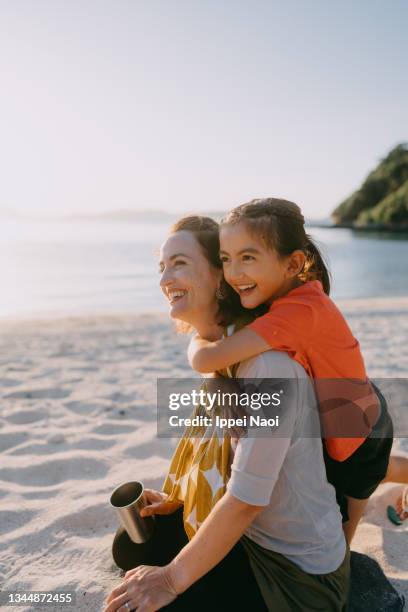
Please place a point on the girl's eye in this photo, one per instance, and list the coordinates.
(224, 259)
(248, 258)
(179, 262)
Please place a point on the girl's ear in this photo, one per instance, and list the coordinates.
(296, 263)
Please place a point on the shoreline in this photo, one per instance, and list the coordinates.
(379, 303)
(381, 228)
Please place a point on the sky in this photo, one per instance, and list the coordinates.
(194, 105)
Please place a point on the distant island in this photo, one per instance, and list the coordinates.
(120, 216)
(381, 203)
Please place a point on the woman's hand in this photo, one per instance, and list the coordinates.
(157, 503)
(145, 588)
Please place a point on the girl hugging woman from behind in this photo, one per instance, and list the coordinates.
(268, 259)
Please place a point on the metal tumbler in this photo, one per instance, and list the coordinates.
(128, 499)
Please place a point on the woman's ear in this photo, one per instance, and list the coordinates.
(219, 276)
(218, 281)
(296, 263)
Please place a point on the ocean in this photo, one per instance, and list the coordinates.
(59, 268)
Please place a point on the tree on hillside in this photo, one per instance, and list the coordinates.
(382, 190)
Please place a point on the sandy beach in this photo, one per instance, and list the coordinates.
(78, 417)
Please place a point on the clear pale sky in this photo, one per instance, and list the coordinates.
(190, 105)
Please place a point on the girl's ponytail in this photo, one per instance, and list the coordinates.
(315, 267)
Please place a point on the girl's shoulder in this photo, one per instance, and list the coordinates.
(307, 297)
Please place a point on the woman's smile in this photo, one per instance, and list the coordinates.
(187, 281)
(175, 295)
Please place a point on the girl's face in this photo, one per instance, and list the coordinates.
(256, 272)
(188, 280)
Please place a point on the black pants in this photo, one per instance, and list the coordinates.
(359, 475)
(230, 585)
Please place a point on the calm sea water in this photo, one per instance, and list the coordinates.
(54, 268)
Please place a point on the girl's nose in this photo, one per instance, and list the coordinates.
(234, 271)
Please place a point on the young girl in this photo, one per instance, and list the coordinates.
(269, 259)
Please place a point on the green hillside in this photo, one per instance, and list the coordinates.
(382, 199)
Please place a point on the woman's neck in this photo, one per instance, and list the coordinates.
(207, 327)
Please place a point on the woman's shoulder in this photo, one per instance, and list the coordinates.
(271, 364)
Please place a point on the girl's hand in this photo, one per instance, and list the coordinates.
(146, 588)
(157, 503)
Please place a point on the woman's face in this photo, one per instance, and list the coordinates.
(188, 280)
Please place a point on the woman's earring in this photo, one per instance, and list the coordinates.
(219, 294)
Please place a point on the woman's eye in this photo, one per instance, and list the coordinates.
(179, 262)
(248, 258)
(223, 259)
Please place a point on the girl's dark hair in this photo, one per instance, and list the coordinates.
(280, 224)
(206, 232)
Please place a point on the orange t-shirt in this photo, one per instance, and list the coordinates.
(307, 325)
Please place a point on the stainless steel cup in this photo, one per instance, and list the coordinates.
(128, 499)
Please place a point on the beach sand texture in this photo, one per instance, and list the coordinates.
(78, 417)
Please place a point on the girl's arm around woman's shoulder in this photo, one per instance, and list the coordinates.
(287, 326)
(205, 356)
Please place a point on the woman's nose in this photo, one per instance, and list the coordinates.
(166, 278)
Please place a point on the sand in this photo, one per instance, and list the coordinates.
(78, 401)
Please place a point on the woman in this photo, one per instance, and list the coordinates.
(274, 539)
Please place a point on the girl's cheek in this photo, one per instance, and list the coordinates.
(226, 273)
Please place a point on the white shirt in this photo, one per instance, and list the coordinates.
(287, 475)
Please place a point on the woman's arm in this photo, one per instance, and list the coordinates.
(152, 587)
(205, 356)
(222, 528)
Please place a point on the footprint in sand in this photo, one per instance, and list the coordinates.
(93, 444)
(10, 439)
(83, 407)
(48, 393)
(23, 417)
(11, 520)
(46, 373)
(9, 382)
(84, 369)
(112, 429)
(140, 413)
(39, 494)
(52, 448)
(148, 449)
(85, 521)
(17, 369)
(117, 396)
(55, 471)
(34, 449)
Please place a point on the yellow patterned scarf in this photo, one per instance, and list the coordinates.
(201, 464)
(199, 471)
